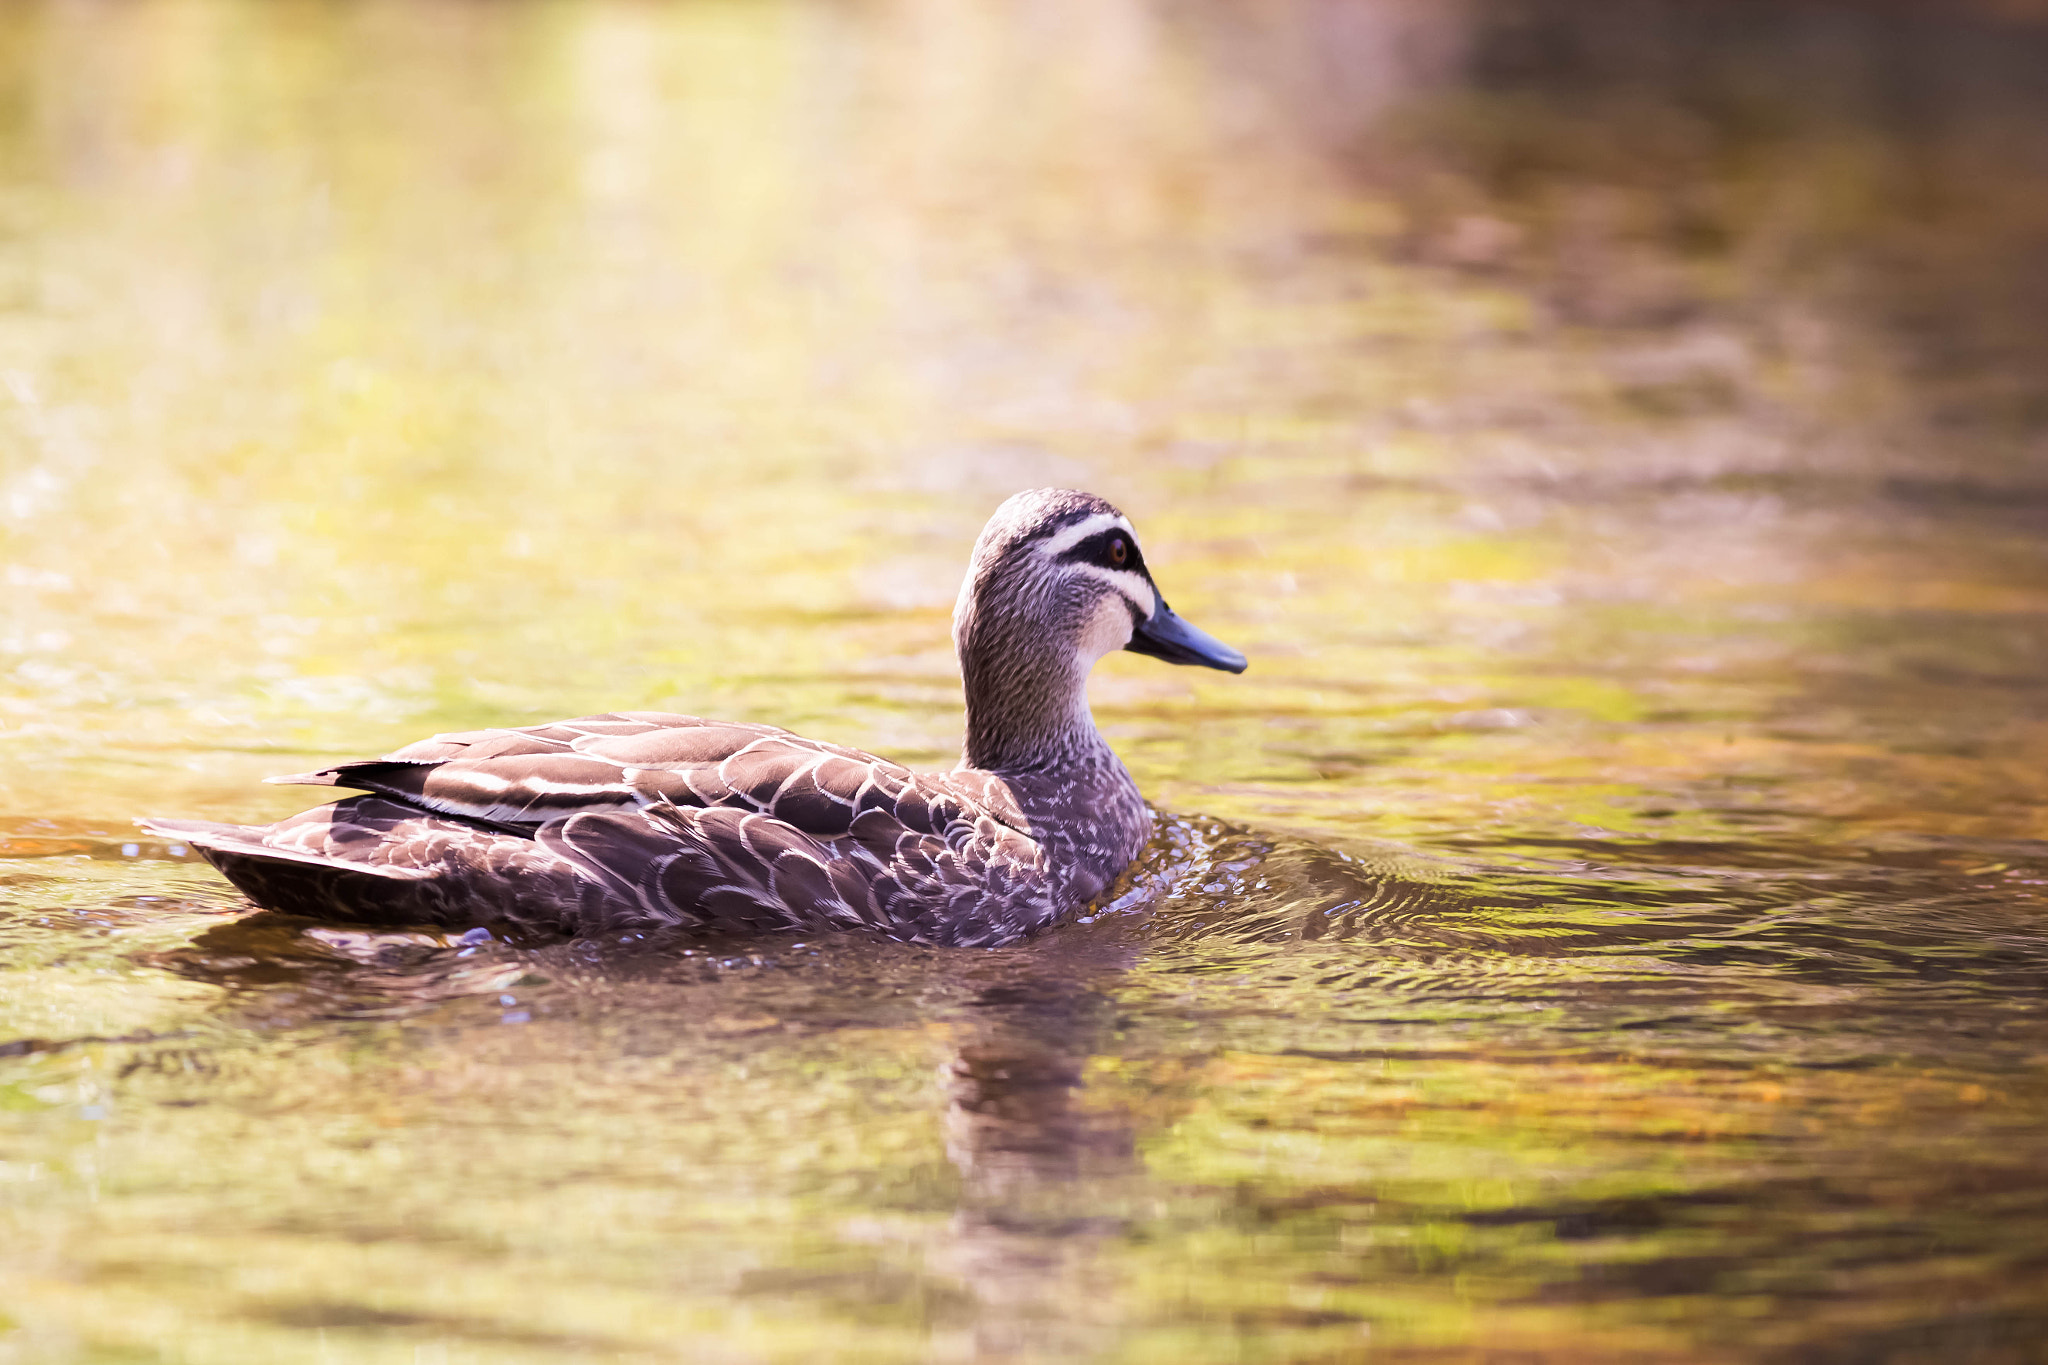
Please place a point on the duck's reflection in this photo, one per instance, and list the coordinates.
(1044, 1174)
(1012, 1123)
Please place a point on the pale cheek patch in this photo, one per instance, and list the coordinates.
(1109, 630)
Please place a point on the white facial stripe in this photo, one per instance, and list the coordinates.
(1080, 531)
(1132, 585)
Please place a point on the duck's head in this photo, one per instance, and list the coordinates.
(1057, 581)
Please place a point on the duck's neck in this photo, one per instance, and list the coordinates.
(1027, 709)
(1005, 737)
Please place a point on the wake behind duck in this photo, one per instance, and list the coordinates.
(642, 819)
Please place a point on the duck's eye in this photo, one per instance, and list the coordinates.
(1119, 552)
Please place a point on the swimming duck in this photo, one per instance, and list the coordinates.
(642, 819)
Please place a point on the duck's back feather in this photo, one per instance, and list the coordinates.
(525, 778)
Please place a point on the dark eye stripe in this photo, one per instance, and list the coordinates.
(1095, 550)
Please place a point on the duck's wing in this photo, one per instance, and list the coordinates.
(941, 872)
(522, 779)
(954, 876)
(683, 820)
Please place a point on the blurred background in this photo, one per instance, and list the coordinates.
(1617, 431)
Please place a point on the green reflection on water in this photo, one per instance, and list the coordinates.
(1625, 939)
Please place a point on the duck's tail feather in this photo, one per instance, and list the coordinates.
(354, 773)
(215, 841)
(313, 884)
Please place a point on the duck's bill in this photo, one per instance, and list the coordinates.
(1168, 637)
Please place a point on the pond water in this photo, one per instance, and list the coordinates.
(1609, 922)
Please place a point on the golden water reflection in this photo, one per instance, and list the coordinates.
(1605, 923)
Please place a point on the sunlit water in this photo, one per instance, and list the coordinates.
(1606, 923)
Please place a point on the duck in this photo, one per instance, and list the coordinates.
(637, 821)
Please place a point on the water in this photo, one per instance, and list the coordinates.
(1606, 923)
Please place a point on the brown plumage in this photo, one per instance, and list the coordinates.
(643, 819)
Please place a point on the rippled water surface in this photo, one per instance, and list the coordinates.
(1605, 925)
